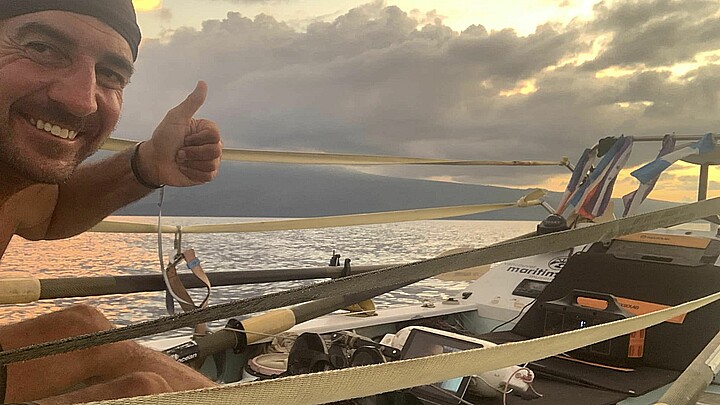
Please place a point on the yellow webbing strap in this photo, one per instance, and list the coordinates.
(315, 223)
(349, 220)
(338, 385)
(312, 158)
(130, 227)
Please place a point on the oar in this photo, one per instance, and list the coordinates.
(21, 290)
(26, 289)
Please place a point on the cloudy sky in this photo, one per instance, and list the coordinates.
(474, 79)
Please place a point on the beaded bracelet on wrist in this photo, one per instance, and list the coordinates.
(136, 170)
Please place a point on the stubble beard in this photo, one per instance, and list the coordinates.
(47, 170)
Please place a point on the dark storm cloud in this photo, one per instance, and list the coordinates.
(656, 33)
(375, 81)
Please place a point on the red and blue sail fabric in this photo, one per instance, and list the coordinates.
(582, 168)
(591, 197)
(648, 174)
(599, 186)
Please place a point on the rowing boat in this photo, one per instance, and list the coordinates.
(562, 315)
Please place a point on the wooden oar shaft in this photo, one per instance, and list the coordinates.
(93, 286)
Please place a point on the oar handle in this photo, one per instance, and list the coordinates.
(19, 290)
(237, 335)
(269, 323)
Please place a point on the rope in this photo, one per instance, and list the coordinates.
(391, 276)
(339, 385)
(311, 158)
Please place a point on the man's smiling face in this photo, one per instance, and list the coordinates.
(61, 82)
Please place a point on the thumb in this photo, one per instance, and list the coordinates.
(188, 107)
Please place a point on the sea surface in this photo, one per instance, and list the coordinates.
(103, 254)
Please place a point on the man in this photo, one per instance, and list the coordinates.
(63, 67)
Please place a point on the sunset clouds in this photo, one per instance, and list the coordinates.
(389, 80)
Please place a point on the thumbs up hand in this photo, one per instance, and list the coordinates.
(183, 151)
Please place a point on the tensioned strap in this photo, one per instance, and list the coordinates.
(338, 385)
(391, 276)
(317, 222)
(310, 158)
(130, 227)
(695, 379)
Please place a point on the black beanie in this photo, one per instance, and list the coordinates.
(118, 14)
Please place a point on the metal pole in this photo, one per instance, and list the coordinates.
(660, 138)
(703, 182)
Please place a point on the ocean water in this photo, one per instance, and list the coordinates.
(101, 254)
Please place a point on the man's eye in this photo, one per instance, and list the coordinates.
(45, 54)
(39, 47)
(111, 77)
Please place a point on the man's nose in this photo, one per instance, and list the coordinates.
(76, 90)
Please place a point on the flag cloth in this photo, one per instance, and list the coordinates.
(582, 167)
(591, 194)
(653, 169)
(590, 182)
(598, 189)
(632, 200)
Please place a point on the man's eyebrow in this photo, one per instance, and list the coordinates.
(46, 30)
(112, 58)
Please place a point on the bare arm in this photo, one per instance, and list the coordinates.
(95, 191)
(183, 151)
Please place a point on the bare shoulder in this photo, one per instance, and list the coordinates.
(31, 210)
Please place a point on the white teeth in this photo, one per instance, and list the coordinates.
(53, 129)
